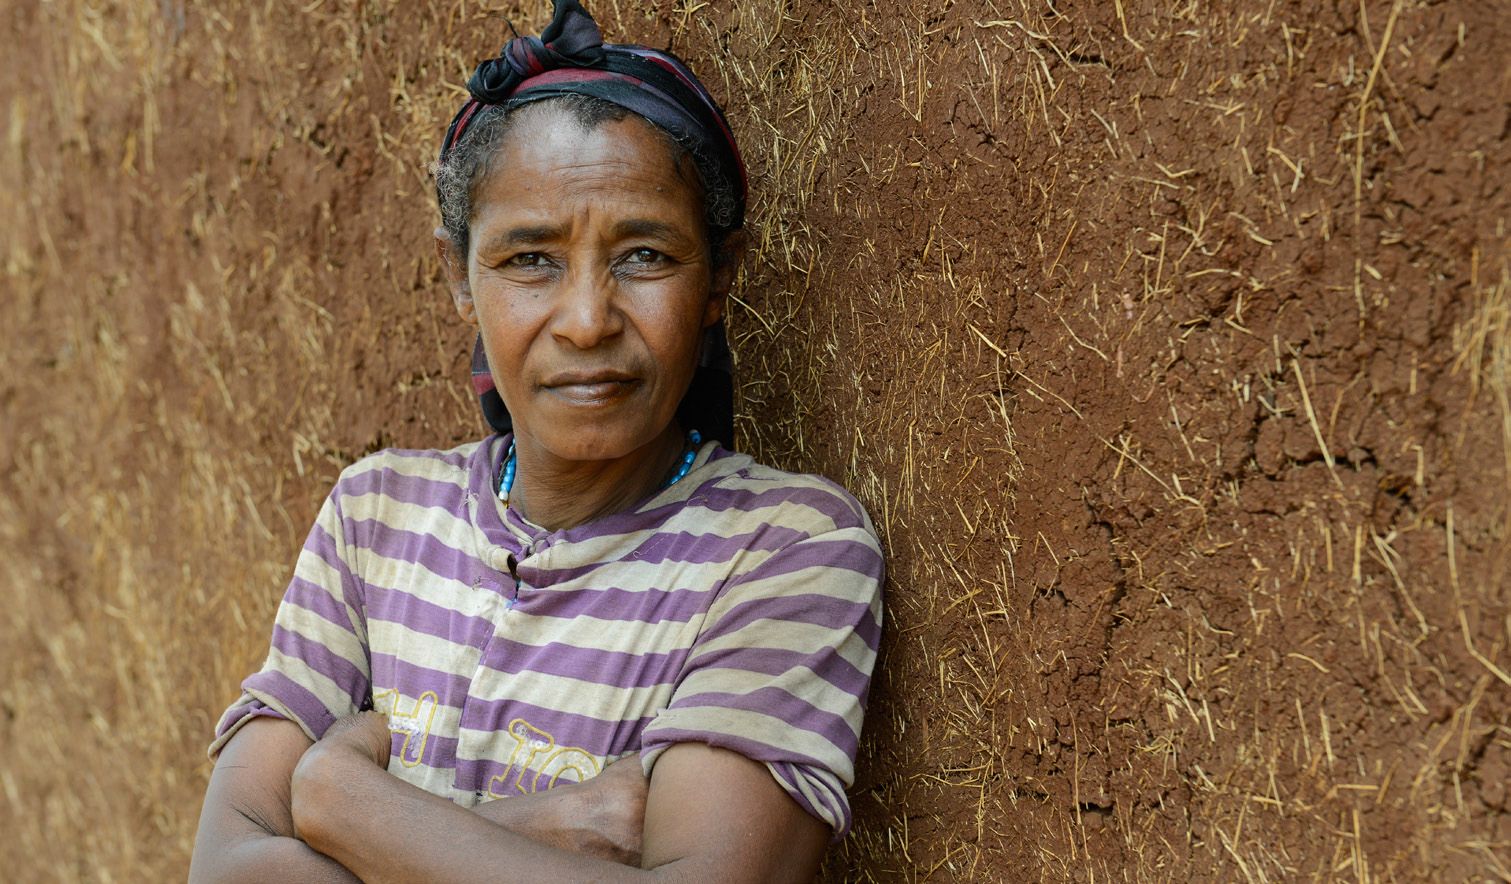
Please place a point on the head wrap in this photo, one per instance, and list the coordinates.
(570, 58)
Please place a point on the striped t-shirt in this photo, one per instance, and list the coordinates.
(740, 607)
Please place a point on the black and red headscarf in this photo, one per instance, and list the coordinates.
(570, 58)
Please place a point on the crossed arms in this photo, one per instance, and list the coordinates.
(282, 808)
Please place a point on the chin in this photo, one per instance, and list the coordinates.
(599, 439)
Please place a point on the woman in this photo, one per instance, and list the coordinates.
(596, 645)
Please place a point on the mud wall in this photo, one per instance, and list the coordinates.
(1168, 344)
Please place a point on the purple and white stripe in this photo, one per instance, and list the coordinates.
(740, 608)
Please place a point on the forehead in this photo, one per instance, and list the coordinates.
(550, 164)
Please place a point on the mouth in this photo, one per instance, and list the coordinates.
(590, 388)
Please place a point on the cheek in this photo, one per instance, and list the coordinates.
(676, 331)
(505, 305)
(503, 323)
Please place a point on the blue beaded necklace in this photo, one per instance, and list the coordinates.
(511, 463)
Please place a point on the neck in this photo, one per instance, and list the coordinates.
(555, 493)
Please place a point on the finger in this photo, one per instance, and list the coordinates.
(368, 730)
(376, 728)
(348, 727)
(627, 763)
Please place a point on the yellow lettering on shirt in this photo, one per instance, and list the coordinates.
(537, 763)
(412, 719)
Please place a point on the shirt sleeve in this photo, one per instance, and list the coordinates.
(317, 668)
(782, 667)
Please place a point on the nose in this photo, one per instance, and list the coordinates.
(585, 313)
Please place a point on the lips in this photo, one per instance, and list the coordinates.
(589, 388)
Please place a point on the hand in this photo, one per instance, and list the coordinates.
(602, 817)
(613, 811)
(365, 733)
(323, 772)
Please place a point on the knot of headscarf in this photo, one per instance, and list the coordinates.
(570, 58)
(571, 40)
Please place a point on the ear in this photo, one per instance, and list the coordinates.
(727, 257)
(454, 265)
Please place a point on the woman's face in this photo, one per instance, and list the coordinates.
(591, 281)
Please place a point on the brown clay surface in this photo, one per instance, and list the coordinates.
(1168, 344)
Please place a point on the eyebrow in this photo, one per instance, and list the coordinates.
(544, 233)
(634, 227)
(521, 236)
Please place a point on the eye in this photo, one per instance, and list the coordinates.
(645, 256)
(527, 259)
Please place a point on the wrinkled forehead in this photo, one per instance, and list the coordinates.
(569, 120)
(554, 170)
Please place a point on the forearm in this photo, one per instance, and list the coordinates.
(603, 817)
(537, 816)
(384, 829)
(245, 830)
(268, 858)
(708, 815)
